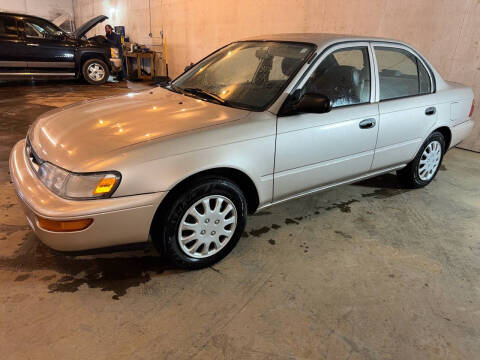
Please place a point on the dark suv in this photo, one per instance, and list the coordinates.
(34, 48)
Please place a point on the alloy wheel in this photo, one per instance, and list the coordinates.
(96, 72)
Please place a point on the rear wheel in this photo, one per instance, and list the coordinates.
(95, 71)
(202, 224)
(423, 168)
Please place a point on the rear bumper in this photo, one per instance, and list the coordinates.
(116, 221)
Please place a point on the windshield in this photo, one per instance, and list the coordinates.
(248, 74)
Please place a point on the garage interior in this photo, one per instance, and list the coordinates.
(363, 271)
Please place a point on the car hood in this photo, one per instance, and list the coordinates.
(81, 134)
(83, 29)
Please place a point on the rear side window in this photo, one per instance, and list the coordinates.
(401, 74)
(8, 27)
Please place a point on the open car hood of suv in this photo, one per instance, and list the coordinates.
(83, 29)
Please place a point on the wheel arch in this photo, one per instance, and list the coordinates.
(447, 135)
(240, 178)
(94, 55)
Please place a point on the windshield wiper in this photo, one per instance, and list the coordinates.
(204, 93)
(174, 88)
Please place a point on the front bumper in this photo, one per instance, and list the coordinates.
(116, 221)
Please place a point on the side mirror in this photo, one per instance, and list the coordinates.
(312, 103)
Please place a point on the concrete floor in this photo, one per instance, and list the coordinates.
(365, 271)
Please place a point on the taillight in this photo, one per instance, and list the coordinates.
(471, 109)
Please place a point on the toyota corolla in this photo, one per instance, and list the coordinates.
(258, 122)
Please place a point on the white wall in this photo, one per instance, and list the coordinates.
(48, 9)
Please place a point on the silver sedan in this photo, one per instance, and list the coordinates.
(258, 122)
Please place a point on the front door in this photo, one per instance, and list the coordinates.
(407, 105)
(315, 150)
(50, 50)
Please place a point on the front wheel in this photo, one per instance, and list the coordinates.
(95, 71)
(202, 224)
(423, 168)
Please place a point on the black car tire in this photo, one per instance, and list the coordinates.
(410, 175)
(90, 77)
(165, 229)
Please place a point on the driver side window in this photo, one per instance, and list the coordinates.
(343, 76)
(37, 29)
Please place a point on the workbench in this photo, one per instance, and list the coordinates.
(138, 63)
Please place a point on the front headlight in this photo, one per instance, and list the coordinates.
(115, 54)
(71, 185)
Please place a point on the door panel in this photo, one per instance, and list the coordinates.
(403, 126)
(317, 149)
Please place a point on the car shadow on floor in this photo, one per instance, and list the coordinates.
(386, 181)
(102, 269)
(386, 186)
(118, 269)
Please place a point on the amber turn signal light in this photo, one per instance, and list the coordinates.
(65, 225)
(472, 108)
(105, 185)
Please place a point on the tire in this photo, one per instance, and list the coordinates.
(95, 71)
(424, 167)
(180, 236)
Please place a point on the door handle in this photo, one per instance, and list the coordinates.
(430, 110)
(367, 123)
(32, 44)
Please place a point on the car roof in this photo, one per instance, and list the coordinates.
(22, 15)
(319, 39)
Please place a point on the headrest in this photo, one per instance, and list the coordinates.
(288, 66)
(345, 74)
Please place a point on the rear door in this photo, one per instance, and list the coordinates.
(407, 104)
(50, 51)
(12, 48)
